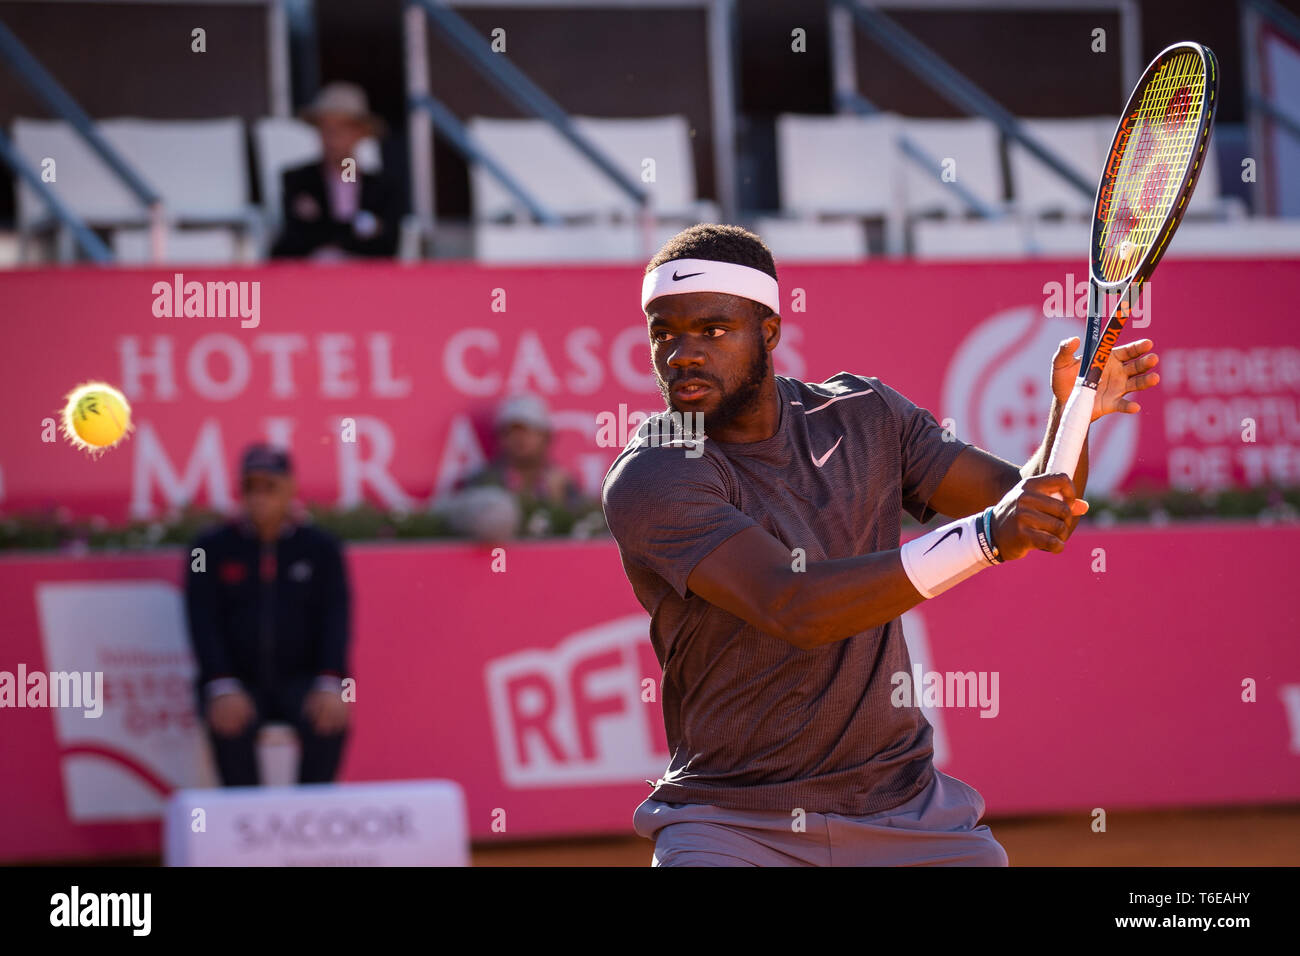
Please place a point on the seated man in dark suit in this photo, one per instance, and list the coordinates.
(269, 620)
(333, 210)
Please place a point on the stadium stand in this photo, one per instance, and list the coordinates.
(1081, 143)
(599, 222)
(562, 186)
(197, 167)
(821, 163)
(964, 150)
(545, 164)
(502, 243)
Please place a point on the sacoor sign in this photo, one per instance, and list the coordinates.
(404, 823)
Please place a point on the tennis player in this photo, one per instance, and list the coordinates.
(766, 551)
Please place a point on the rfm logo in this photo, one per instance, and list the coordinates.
(575, 714)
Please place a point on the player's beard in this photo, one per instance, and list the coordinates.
(735, 401)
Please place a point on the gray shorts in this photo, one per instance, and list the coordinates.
(937, 827)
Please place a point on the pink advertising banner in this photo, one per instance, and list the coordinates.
(382, 378)
(1153, 667)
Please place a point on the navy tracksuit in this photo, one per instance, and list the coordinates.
(274, 616)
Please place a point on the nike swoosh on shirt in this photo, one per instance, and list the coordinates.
(822, 460)
(957, 531)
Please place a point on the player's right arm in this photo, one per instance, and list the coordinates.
(755, 577)
(674, 516)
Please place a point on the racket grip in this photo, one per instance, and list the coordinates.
(1071, 432)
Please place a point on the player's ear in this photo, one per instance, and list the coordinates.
(771, 325)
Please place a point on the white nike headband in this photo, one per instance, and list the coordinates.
(707, 275)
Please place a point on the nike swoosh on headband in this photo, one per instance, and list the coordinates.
(710, 275)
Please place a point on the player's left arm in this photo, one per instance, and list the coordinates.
(978, 479)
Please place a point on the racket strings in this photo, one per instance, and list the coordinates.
(1160, 149)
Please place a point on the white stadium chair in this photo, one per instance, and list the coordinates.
(80, 179)
(808, 239)
(568, 184)
(972, 145)
(1195, 238)
(502, 243)
(1065, 239)
(852, 165)
(209, 246)
(1208, 202)
(540, 161)
(841, 166)
(1244, 238)
(1005, 238)
(667, 141)
(10, 251)
(197, 167)
(280, 143)
(1083, 143)
(1080, 143)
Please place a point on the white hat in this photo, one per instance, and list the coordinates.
(524, 409)
(345, 99)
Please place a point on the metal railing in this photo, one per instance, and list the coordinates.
(937, 73)
(90, 243)
(47, 89)
(915, 152)
(512, 83)
(456, 133)
(1259, 109)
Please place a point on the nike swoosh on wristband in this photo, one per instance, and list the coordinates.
(822, 460)
(957, 531)
(677, 278)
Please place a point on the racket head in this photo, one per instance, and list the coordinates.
(1155, 159)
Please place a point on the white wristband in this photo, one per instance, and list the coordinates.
(946, 556)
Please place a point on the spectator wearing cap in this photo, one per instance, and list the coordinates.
(522, 464)
(268, 616)
(491, 503)
(330, 215)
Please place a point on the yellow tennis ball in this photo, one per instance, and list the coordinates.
(96, 416)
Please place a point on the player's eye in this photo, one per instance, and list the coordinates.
(659, 335)
(715, 328)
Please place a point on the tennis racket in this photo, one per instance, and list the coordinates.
(1155, 159)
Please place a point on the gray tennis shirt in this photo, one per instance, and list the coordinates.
(752, 722)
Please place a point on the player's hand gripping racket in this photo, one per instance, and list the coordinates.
(1154, 162)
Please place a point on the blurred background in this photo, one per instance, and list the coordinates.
(403, 243)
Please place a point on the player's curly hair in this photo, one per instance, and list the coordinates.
(721, 243)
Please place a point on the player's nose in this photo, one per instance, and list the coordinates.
(687, 354)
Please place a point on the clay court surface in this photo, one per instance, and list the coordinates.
(1262, 836)
(1231, 836)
